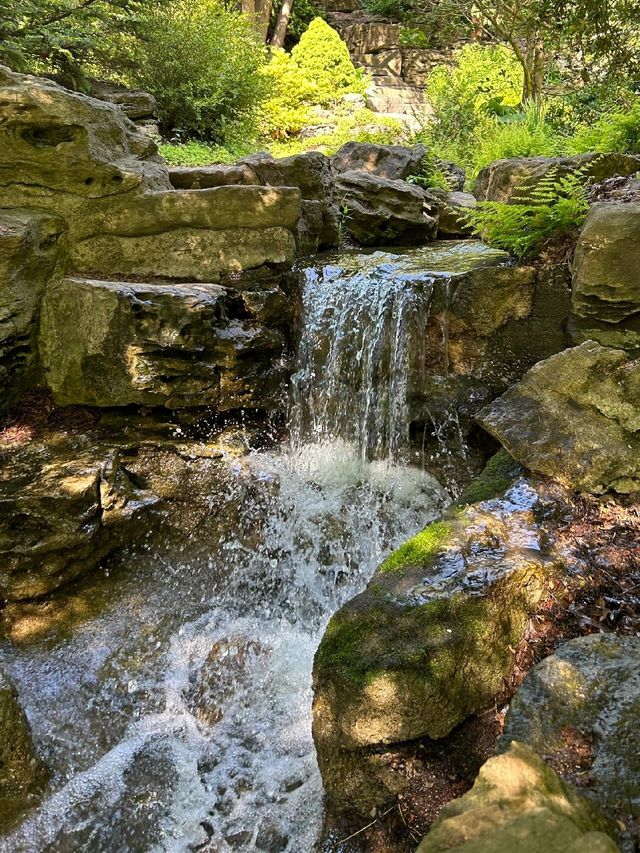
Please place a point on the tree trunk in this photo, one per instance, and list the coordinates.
(280, 31)
(534, 64)
(259, 11)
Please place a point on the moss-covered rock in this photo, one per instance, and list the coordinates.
(606, 294)
(518, 803)
(587, 696)
(22, 774)
(575, 417)
(431, 641)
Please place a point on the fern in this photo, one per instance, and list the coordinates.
(550, 209)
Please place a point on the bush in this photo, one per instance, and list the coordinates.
(286, 110)
(617, 131)
(486, 82)
(523, 134)
(323, 60)
(361, 126)
(202, 62)
(552, 209)
(195, 153)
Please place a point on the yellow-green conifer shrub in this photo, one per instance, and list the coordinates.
(323, 59)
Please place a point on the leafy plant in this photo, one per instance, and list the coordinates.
(194, 153)
(286, 110)
(430, 174)
(202, 62)
(618, 130)
(525, 133)
(359, 126)
(551, 209)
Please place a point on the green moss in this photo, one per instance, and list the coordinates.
(421, 550)
(498, 475)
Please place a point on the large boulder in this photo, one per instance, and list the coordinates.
(452, 210)
(606, 288)
(580, 709)
(502, 180)
(63, 508)
(380, 210)
(29, 250)
(110, 343)
(395, 162)
(430, 642)
(575, 417)
(218, 175)
(22, 774)
(134, 103)
(518, 803)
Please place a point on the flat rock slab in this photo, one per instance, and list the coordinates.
(110, 343)
(575, 417)
(586, 695)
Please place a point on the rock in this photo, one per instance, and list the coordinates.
(452, 207)
(408, 658)
(311, 173)
(503, 179)
(384, 63)
(22, 774)
(110, 343)
(134, 103)
(60, 150)
(518, 803)
(29, 249)
(395, 162)
(582, 704)
(397, 99)
(382, 211)
(606, 290)
(219, 175)
(455, 175)
(63, 508)
(371, 37)
(575, 417)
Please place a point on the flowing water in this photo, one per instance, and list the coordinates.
(176, 714)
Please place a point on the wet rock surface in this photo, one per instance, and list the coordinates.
(22, 774)
(518, 803)
(579, 709)
(606, 294)
(575, 417)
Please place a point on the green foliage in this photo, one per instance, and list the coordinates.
(618, 130)
(551, 209)
(65, 37)
(203, 64)
(195, 153)
(323, 59)
(302, 13)
(388, 8)
(287, 108)
(414, 37)
(361, 126)
(526, 133)
(430, 174)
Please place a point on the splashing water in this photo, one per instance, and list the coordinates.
(177, 715)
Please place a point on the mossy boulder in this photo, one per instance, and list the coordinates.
(575, 417)
(586, 697)
(518, 803)
(606, 292)
(431, 640)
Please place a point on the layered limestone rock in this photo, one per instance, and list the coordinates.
(29, 250)
(518, 803)
(431, 640)
(63, 508)
(503, 180)
(110, 343)
(584, 701)
(22, 774)
(381, 210)
(575, 417)
(606, 289)
(452, 209)
(395, 162)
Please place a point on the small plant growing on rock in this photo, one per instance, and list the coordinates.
(551, 210)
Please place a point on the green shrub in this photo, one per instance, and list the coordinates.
(430, 174)
(202, 62)
(287, 108)
(617, 131)
(552, 209)
(522, 134)
(414, 37)
(195, 153)
(361, 126)
(323, 59)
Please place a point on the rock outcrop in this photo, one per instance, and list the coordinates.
(22, 774)
(518, 803)
(380, 210)
(431, 640)
(395, 162)
(579, 708)
(606, 291)
(575, 417)
(504, 180)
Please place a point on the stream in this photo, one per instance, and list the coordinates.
(177, 714)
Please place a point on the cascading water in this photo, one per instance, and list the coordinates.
(178, 715)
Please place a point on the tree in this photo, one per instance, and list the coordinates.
(64, 36)
(280, 29)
